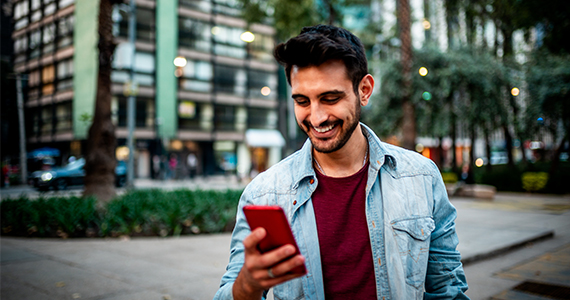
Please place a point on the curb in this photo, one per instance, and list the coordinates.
(517, 245)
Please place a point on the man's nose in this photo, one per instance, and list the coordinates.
(318, 114)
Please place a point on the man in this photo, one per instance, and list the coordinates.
(371, 220)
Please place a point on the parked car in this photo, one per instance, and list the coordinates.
(72, 174)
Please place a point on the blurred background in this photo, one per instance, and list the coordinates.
(481, 87)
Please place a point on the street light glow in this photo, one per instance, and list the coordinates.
(265, 91)
(423, 71)
(479, 162)
(247, 37)
(515, 91)
(180, 61)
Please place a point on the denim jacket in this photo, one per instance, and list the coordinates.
(410, 223)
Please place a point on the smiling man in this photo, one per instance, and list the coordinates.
(372, 221)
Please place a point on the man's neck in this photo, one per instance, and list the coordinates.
(346, 161)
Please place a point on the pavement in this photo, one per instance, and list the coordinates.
(190, 267)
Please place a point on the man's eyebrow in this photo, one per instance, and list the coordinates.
(327, 93)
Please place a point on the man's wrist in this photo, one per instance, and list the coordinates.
(242, 290)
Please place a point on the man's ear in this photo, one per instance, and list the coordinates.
(365, 89)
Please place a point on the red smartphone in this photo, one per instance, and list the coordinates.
(279, 233)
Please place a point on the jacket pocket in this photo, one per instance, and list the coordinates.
(290, 290)
(413, 238)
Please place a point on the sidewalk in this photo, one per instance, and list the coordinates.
(190, 267)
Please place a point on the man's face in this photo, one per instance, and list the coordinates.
(326, 107)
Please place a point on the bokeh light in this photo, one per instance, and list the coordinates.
(426, 96)
(180, 61)
(423, 71)
(515, 91)
(426, 24)
(265, 91)
(420, 148)
(247, 37)
(479, 162)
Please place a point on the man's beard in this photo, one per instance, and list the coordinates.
(344, 134)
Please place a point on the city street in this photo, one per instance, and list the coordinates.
(514, 239)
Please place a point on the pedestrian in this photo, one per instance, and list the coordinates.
(372, 220)
(172, 165)
(192, 163)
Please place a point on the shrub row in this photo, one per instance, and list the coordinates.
(137, 213)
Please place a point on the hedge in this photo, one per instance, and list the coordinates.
(151, 212)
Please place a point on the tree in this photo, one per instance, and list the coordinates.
(101, 142)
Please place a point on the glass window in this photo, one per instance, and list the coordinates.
(197, 76)
(261, 118)
(65, 27)
(48, 38)
(34, 78)
(262, 47)
(64, 3)
(189, 115)
(36, 4)
(228, 7)
(21, 10)
(35, 40)
(49, 9)
(224, 117)
(194, 34)
(46, 119)
(63, 112)
(262, 84)
(201, 5)
(228, 41)
(120, 22)
(142, 111)
(145, 25)
(144, 62)
(48, 74)
(65, 75)
(230, 80)
(21, 44)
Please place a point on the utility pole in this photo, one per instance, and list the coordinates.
(23, 150)
(131, 96)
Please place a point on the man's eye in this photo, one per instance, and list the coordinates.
(331, 100)
(302, 102)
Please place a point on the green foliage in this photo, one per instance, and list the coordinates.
(449, 177)
(137, 213)
(534, 181)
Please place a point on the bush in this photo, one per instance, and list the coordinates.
(449, 177)
(534, 181)
(137, 213)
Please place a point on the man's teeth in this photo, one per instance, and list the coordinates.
(323, 129)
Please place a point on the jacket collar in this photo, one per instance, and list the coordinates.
(379, 155)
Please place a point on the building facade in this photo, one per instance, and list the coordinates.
(202, 87)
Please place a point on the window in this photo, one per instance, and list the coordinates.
(261, 118)
(145, 25)
(262, 84)
(194, 34)
(65, 27)
(197, 76)
(35, 40)
(228, 7)
(48, 75)
(228, 42)
(20, 14)
(143, 112)
(65, 75)
(201, 5)
(63, 119)
(224, 117)
(48, 38)
(230, 80)
(21, 44)
(189, 115)
(262, 47)
(34, 78)
(46, 120)
(64, 3)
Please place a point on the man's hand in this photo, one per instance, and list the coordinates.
(254, 276)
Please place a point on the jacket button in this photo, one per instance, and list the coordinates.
(295, 202)
(311, 181)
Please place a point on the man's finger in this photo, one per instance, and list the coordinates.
(251, 241)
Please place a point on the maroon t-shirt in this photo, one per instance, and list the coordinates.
(346, 254)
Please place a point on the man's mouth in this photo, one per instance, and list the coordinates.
(323, 129)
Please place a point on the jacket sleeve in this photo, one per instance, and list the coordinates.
(445, 277)
(241, 230)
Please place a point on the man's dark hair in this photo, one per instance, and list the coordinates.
(318, 44)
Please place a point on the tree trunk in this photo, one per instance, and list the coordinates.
(408, 109)
(556, 159)
(509, 145)
(488, 150)
(101, 143)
